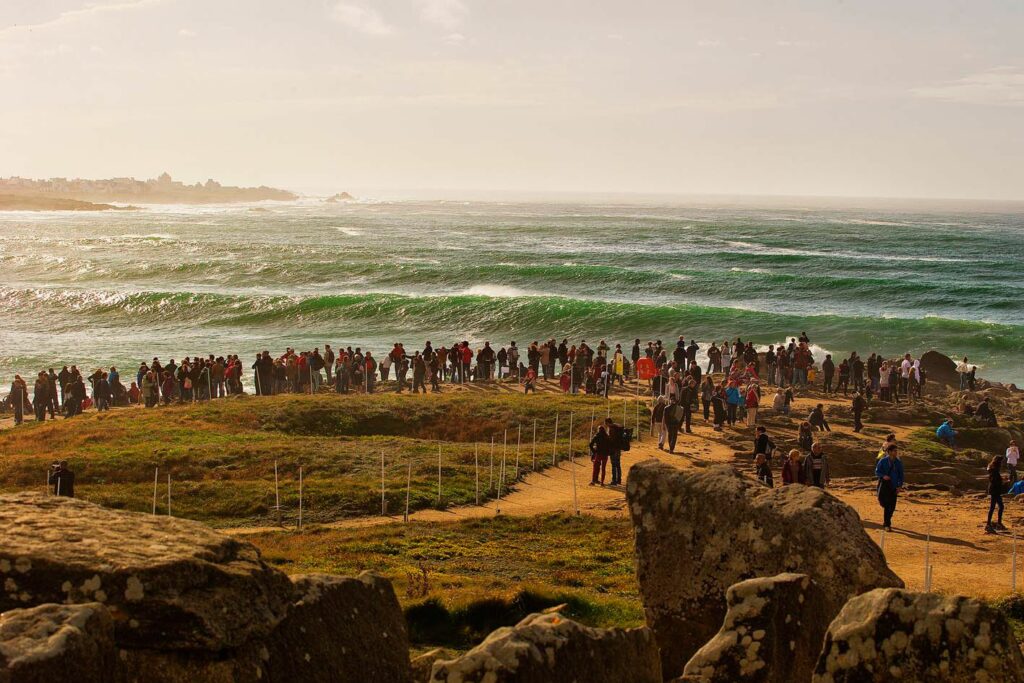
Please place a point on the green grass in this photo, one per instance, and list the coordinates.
(221, 455)
(459, 581)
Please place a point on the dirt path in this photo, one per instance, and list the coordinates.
(964, 559)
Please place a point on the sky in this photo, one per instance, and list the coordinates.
(874, 98)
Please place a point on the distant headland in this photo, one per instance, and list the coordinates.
(55, 194)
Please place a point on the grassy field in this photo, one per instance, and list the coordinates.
(221, 455)
(459, 581)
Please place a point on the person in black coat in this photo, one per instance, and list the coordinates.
(828, 369)
(62, 480)
(859, 404)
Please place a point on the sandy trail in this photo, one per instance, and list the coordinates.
(964, 558)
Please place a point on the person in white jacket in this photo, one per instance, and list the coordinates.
(965, 373)
(1012, 456)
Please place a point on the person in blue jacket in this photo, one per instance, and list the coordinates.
(946, 434)
(889, 471)
(733, 399)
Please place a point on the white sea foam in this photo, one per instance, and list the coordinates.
(497, 291)
(351, 232)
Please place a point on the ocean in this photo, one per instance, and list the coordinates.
(104, 288)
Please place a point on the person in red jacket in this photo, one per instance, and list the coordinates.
(753, 399)
(793, 469)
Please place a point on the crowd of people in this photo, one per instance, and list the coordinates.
(729, 390)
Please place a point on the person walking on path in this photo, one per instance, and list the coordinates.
(889, 472)
(674, 414)
(995, 494)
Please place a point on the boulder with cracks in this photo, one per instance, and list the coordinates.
(891, 634)
(772, 633)
(548, 647)
(700, 531)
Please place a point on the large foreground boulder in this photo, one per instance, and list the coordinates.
(548, 647)
(58, 643)
(772, 633)
(181, 603)
(341, 630)
(699, 531)
(891, 634)
(169, 583)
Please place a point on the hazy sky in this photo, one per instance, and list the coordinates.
(862, 97)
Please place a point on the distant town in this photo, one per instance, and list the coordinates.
(161, 190)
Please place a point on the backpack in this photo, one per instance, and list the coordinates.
(625, 438)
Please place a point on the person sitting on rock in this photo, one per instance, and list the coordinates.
(984, 415)
(817, 419)
(946, 434)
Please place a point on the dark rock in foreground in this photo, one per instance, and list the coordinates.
(170, 583)
(176, 602)
(58, 643)
(548, 647)
(700, 531)
(771, 634)
(891, 634)
(340, 630)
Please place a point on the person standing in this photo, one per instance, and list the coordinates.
(995, 493)
(673, 418)
(615, 436)
(18, 396)
(816, 467)
(41, 396)
(859, 404)
(828, 368)
(763, 445)
(62, 479)
(753, 400)
(733, 398)
(599, 451)
(793, 469)
(964, 370)
(658, 421)
(1012, 456)
(889, 472)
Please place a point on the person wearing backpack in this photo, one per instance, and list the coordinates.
(763, 445)
(615, 447)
